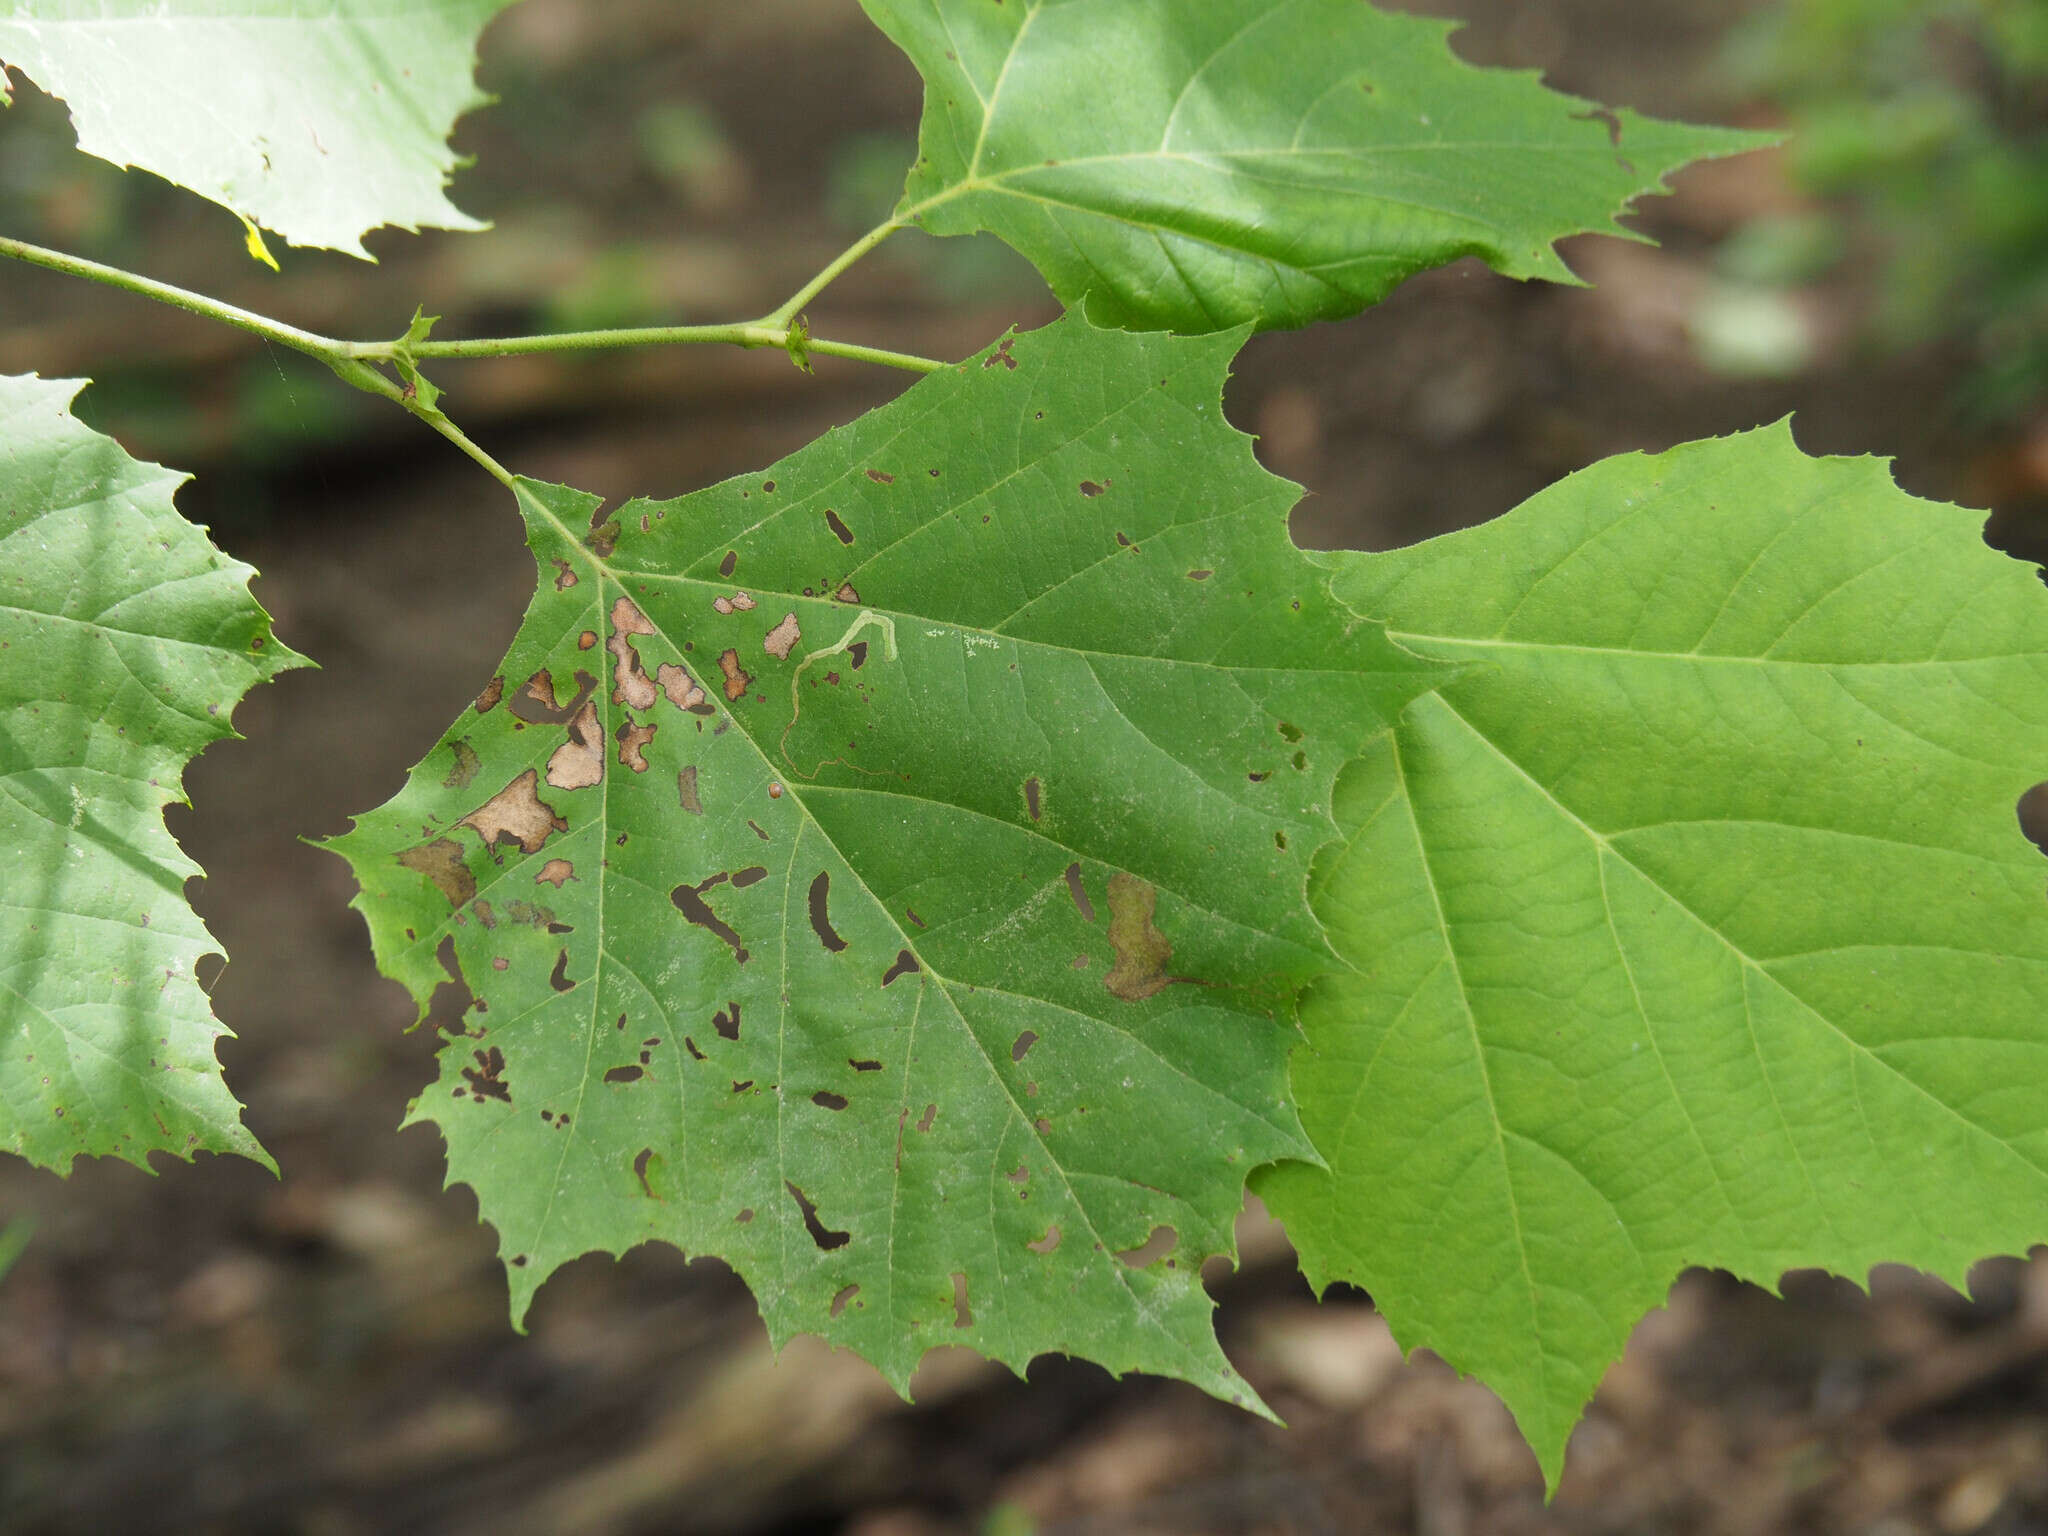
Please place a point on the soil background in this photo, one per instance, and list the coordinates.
(210, 1349)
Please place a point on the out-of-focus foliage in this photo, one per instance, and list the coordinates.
(1929, 119)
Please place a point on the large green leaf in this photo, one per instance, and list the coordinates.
(126, 639)
(319, 119)
(888, 871)
(1197, 164)
(1695, 926)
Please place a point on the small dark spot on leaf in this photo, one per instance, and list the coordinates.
(768, 486)
(1124, 539)
(863, 1066)
(881, 477)
(691, 1046)
(913, 917)
(821, 922)
(626, 1074)
(905, 965)
(1031, 806)
(838, 526)
(842, 1296)
(1002, 355)
(1288, 732)
(1300, 761)
(1260, 776)
(646, 1166)
(822, 1235)
(744, 1216)
(1079, 892)
(500, 963)
(1090, 488)
(774, 791)
(1200, 575)
(1280, 841)
(519, 1261)
(1021, 1046)
(742, 1085)
(730, 563)
(826, 1099)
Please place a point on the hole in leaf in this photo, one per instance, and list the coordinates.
(859, 652)
(555, 872)
(559, 977)
(863, 1066)
(1156, 1247)
(1080, 894)
(838, 526)
(730, 563)
(727, 1022)
(627, 1074)
(753, 874)
(905, 964)
(691, 1046)
(1021, 1046)
(825, 1099)
(821, 922)
(689, 900)
(821, 1234)
(2034, 815)
(487, 1077)
(647, 1166)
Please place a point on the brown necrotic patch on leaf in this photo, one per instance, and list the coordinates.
(536, 703)
(838, 526)
(963, 1314)
(586, 640)
(487, 1077)
(441, 862)
(1141, 949)
(842, 1296)
(1079, 892)
(1021, 1046)
(686, 791)
(931, 1113)
(822, 1235)
(689, 900)
(1090, 488)
(1031, 797)
(846, 593)
(905, 964)
(681, 689)
(631, 685)
(1002, 355)
(565, 578)
(647, 1167)
(782, 639)
(555, 872)
(737, 679)
(516, 814)
(881, 477)
(859, 1065)
(484, 914)
(625, 1074)
(633, 741)
(821, 920)
(1047, 1243)
(578, 763)
(463, 774)
(487, 701)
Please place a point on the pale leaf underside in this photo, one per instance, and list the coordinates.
(1693, 926)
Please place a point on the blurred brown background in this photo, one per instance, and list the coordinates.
(210, 1349)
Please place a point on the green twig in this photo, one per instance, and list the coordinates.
(791, 307)
(758, 334)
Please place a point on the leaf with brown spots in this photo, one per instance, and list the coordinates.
(1033, 721)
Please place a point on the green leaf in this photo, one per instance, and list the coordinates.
(126, 639)
(317, 120)
(1694, 927)
(887, 871)
(1200, 164)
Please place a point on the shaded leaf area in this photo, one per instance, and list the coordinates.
(887, 871)
(320, 119)
(126, 640)
(1200, 164)
(1694, 927)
